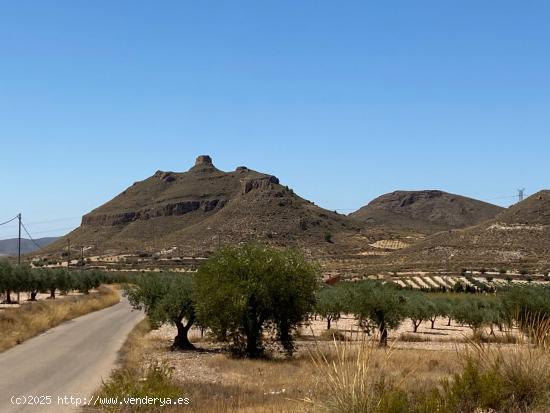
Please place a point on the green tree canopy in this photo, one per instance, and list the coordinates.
(417, 308)
(331, 303)
(8, 281)
(381, 304)
(166, 298)
(247, 289)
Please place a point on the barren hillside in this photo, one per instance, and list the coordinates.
(425, 212)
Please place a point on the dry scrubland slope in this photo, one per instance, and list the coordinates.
(190, 210)
(426, 211)
(517, 236)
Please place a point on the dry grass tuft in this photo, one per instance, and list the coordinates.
(358, 376)
(537, 328)
(31, 319)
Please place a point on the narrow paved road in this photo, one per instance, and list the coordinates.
(68, 360)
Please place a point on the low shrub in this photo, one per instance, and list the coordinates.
(333, 334)
(413, 338)
(155, 381)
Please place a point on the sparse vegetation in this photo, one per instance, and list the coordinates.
(20, 324)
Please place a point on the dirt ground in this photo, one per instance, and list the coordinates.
(39, 297)
(203, 366)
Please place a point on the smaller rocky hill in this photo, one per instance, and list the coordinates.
(518, 237)
(425, 212)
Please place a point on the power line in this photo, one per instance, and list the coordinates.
(30, 237)
(53, 220)
(13, 219)
(500, 197)
(39, 232)
(52, 230)
(44, 222)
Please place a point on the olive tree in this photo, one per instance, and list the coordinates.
(246, 290)
(476, 312)
(417, 308)
(330, 303)
(381, 304)
(28, 280)
(438, 306)
(50, 281)
(8, 283)
(529, 307)
(84, 281)
(166, 298)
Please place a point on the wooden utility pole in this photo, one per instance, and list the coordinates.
(19, 241)
(19, 251)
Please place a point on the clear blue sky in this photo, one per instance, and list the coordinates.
(343, 101)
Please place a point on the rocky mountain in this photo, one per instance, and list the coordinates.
(9, 247)
(517, 237)
(195, 211)
(425, 212)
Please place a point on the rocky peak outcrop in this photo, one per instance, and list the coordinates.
(203, 160)
(265, 182)
(203, 163)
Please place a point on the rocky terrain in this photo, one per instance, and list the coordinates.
(425, 212)
(192, 213)
(518, 237)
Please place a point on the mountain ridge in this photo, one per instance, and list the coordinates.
(9, 247)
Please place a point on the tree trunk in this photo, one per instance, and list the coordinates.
(328, 323)
(383, 329)
(383, 335)
(415, 326)
(285, 337)
(449, 322)
(8, 296)
(181, 341)
(433, 322)
(33, 295)
(52, 293)
(253, 330)
(253, 334)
